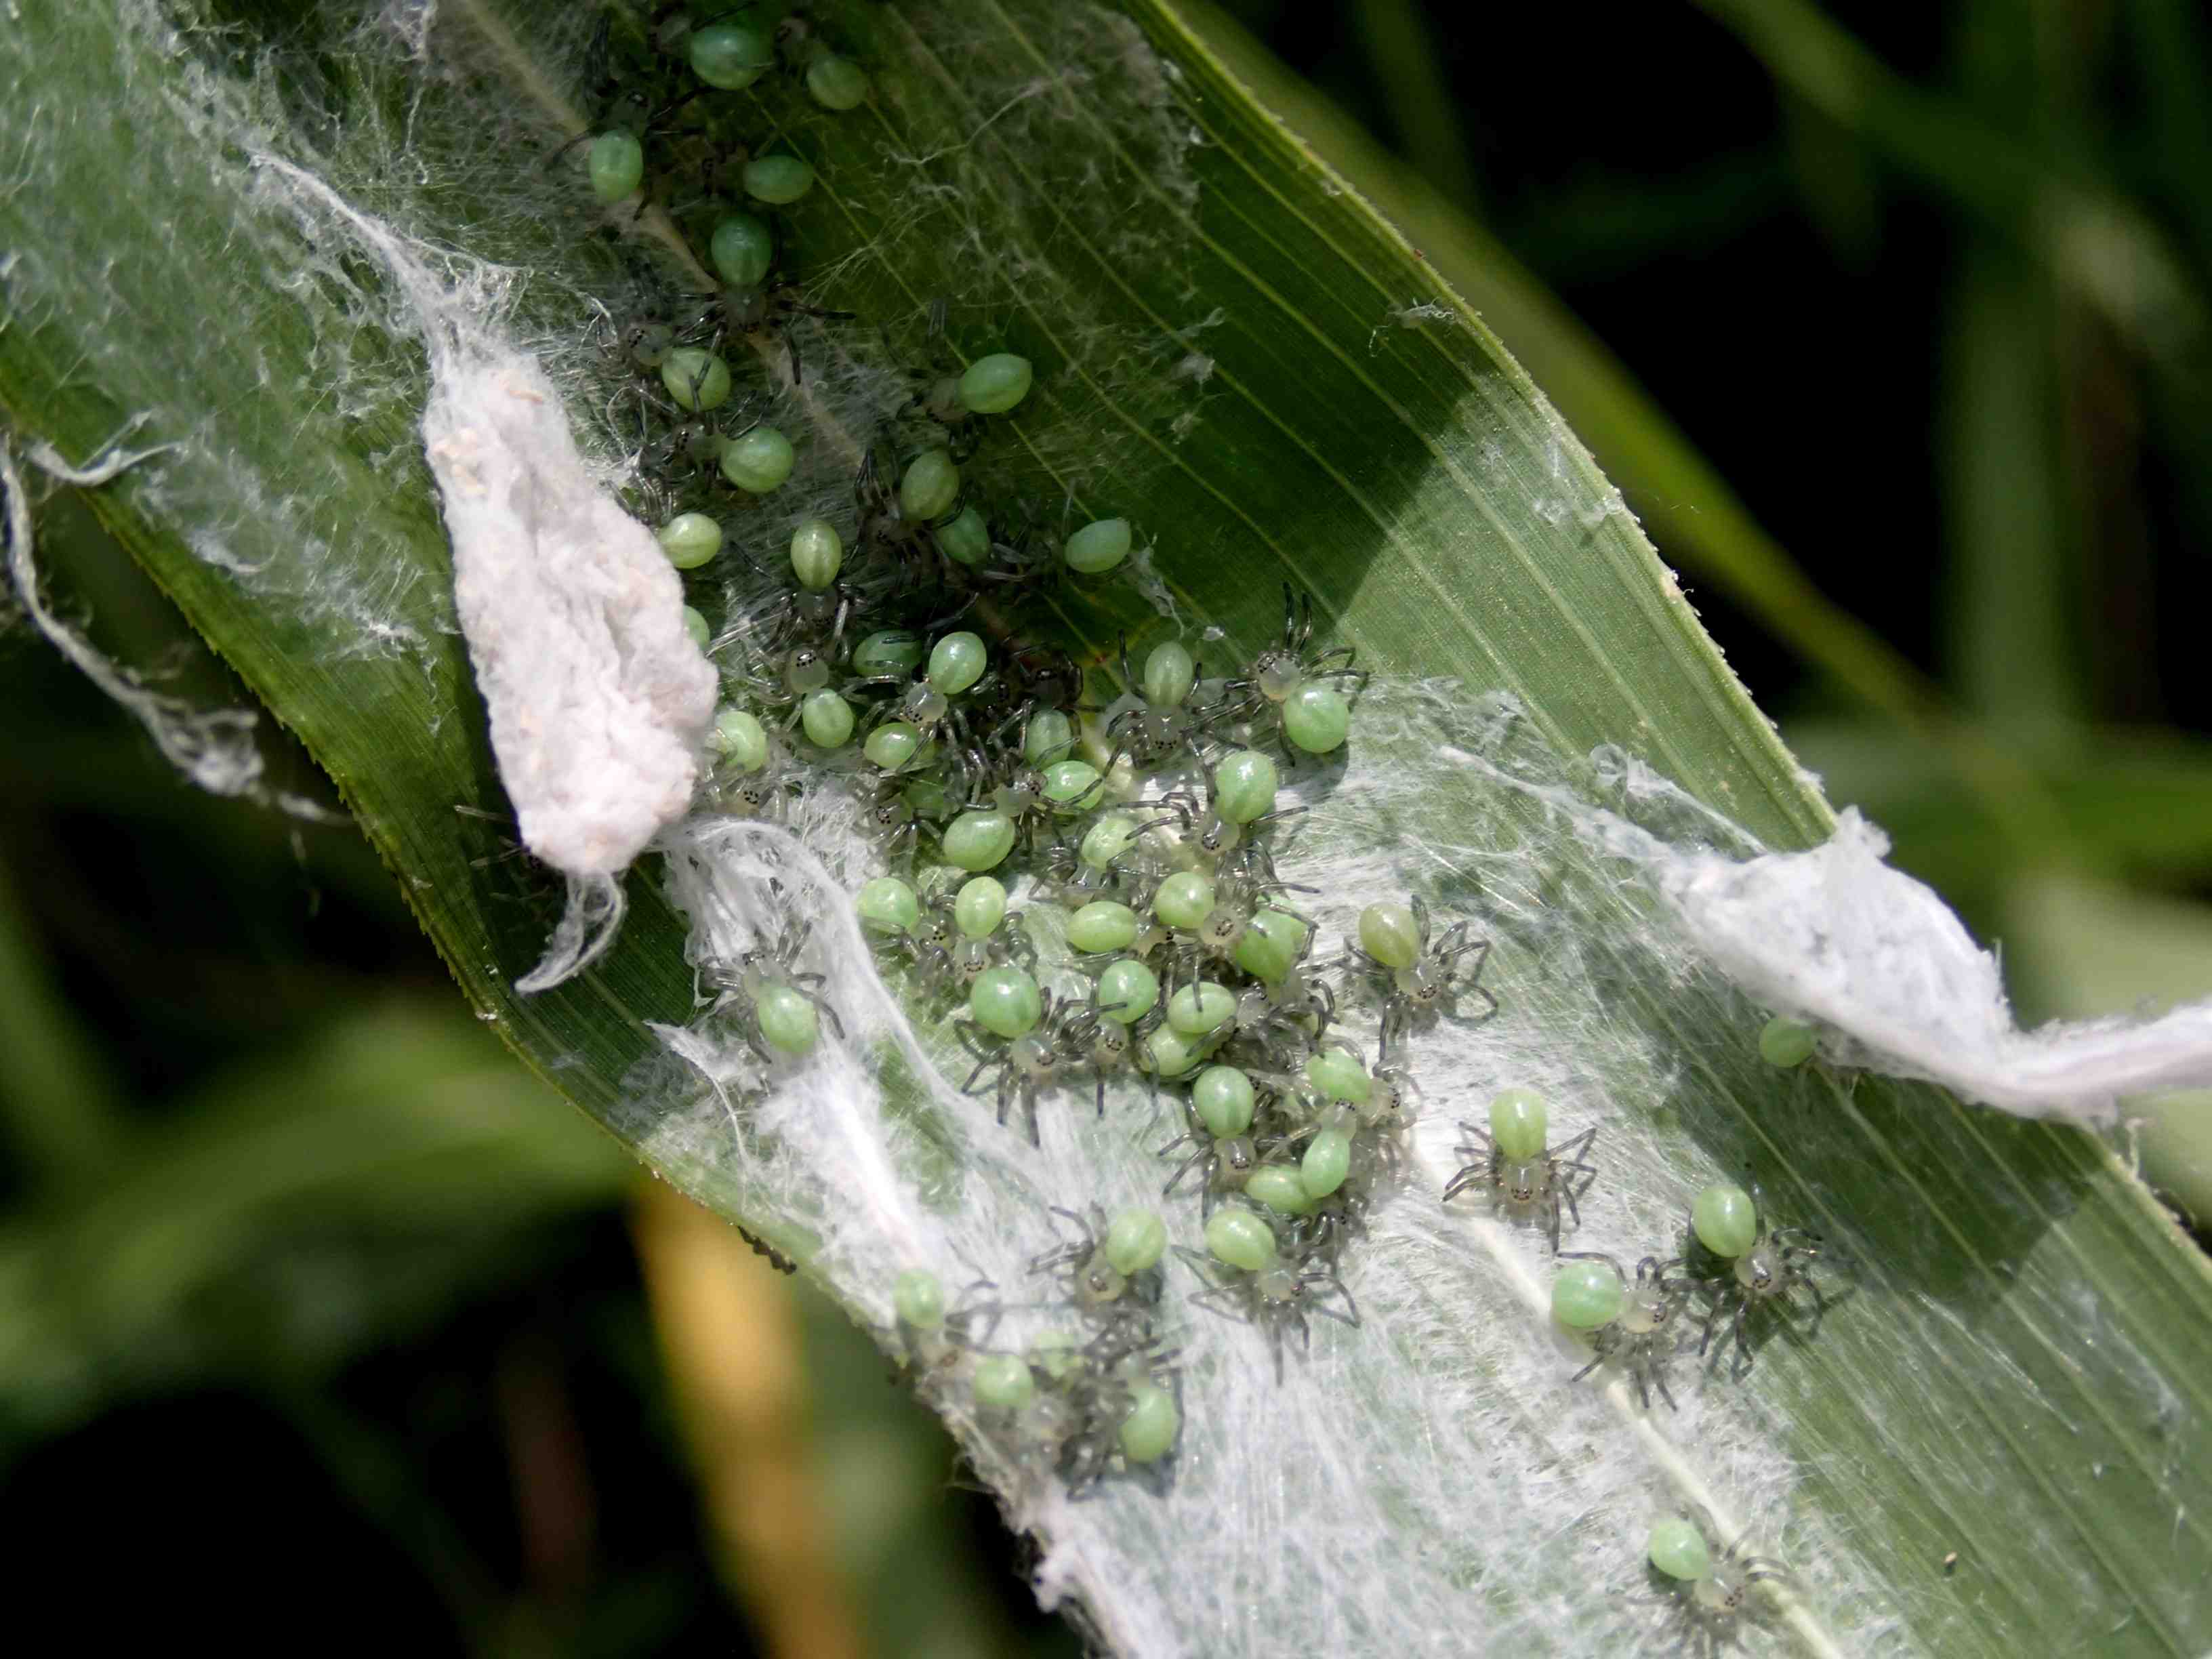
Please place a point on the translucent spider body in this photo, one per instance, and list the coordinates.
(1223, 1163)
(777, 1005)
(1018, 1066)
(1636, 1326)
(1172, 711)
(968, 940)
(931, 1333)
(1526, 1178)
(1111, 1407)
(1110, 1269)
(1414, 974)
(1234, 808)
(760, 311)
(1764, 1266)
(1712, 1592)
(1085, 1033)
(1283, 667)
(1255, 1277)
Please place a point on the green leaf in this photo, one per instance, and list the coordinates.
(1995, 1444)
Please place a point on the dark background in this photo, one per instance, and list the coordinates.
(297, 1260)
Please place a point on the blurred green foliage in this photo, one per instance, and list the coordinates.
(296, 1260)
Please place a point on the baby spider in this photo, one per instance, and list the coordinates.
(1219, 1113)
(1098, 1032)
(1239, 803)
(778, 1006)
(957, 397)
(1415, 975)
(1718, 1590)
(1007, 1003)
(930, 1334)
(1111, 1269)
(1764, 1266)
(760, 311)
(1252, 1278)
(986, 934)
(1513, 1161)
(1628, 1321)
(1283, 667)
(1148, 734)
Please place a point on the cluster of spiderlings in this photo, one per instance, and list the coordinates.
(1742, 1271)
(1149, 831)
(1136, 837)
(1077, 1405)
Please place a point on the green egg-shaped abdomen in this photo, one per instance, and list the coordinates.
(689, 539)
(930, 486)
(956, 662)
(1107, 840)
(1170, 672)
(1224, 1099)
(888, 905)
(964, 538)
(1316, 718)
(893, 744)
(1240, 1239)
(980, 906)
(1244, 786)
(1128, 991)
(1586, 1296)
(1168, 1052)
(730, 55)
(1006, 1000)
(1327, 1162)
(1184, 899)
(742, 248)
(1271, 945)
(1099, 546)
(918, 1299)
(1279, 1187)
(1784, 1043)
(1725, 1220)
(787, 1020)
(837, 83)
(1150, 1424)
(1678, 1550)
(1135, 1239)
(1050, 736)
(892, 651)
(828, 719)
(696, 378)
(1338, 1074)
(1520, 1124)
(1201, 1009)
(1388, 933)
(976, 841)
(1101, 924)
(993, 384)
(758, 461)
(615, 162)
(1003, 1382)
(779, 181)
(817, 553)
(741, 738)
(1071, 785)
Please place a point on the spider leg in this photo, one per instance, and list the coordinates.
(1740, 1361)
(837, 1025)
(1712, 1320)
